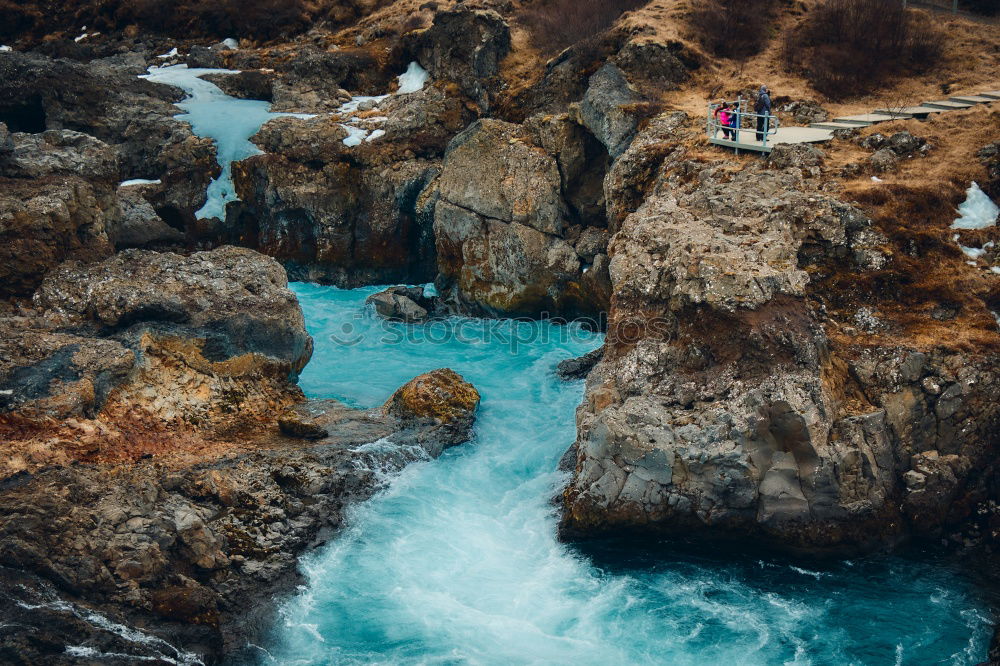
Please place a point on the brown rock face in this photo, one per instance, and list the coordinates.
(115, 106)
(465, 46)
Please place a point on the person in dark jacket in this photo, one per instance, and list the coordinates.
(763, 108)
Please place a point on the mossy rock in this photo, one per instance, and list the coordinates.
(442, 395)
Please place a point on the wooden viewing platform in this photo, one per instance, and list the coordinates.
(821, 132)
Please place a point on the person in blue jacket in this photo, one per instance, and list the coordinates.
(762, 108)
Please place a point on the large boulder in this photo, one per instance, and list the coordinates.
(111, 329)
(609, 109)
(501, 228)
(236, 299)
(465, 46)
(57, 202)
(139, 225)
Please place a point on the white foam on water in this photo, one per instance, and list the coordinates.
(129, 634)
(413, 79)
(977, 212)
(86, 652)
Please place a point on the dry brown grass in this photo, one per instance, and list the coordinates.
(914, 207)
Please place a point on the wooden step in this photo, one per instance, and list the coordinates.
(834, 125)
(947, 105)
(910, 112)
(972, 99)
(865, 119)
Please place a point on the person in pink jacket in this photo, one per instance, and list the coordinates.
(726, 119)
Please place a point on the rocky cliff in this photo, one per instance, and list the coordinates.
(733, 401)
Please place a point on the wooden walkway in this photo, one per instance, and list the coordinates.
(822, 132)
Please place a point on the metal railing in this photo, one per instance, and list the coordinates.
(714, 126)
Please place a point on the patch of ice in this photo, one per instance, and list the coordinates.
(977, 212)
(376, 134)
(5, 49)
(355, 135)
(352, 106)
(171, 54)
(413, 79)
(139, 181)
(231, 43)
(80, 38)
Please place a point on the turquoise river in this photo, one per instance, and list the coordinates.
(457, 561)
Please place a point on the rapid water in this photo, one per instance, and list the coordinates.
(457, 562)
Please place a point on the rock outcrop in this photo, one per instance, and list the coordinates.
(405, 304)
(162, 469)
(608, 110)
(57, 202)
(349, 215)
(504, 231)
(110, 103)
(465, 46)
(723, 406)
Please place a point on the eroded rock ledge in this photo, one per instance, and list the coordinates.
(160, 465)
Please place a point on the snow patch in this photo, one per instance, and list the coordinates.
(976, 252)
(352, 106)
(139, 181)
(876, 179)
(376, 134)
(413, 79)
(5, 49)
(171, 54)
(977, 212)
(355, 135)
(231, 44)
